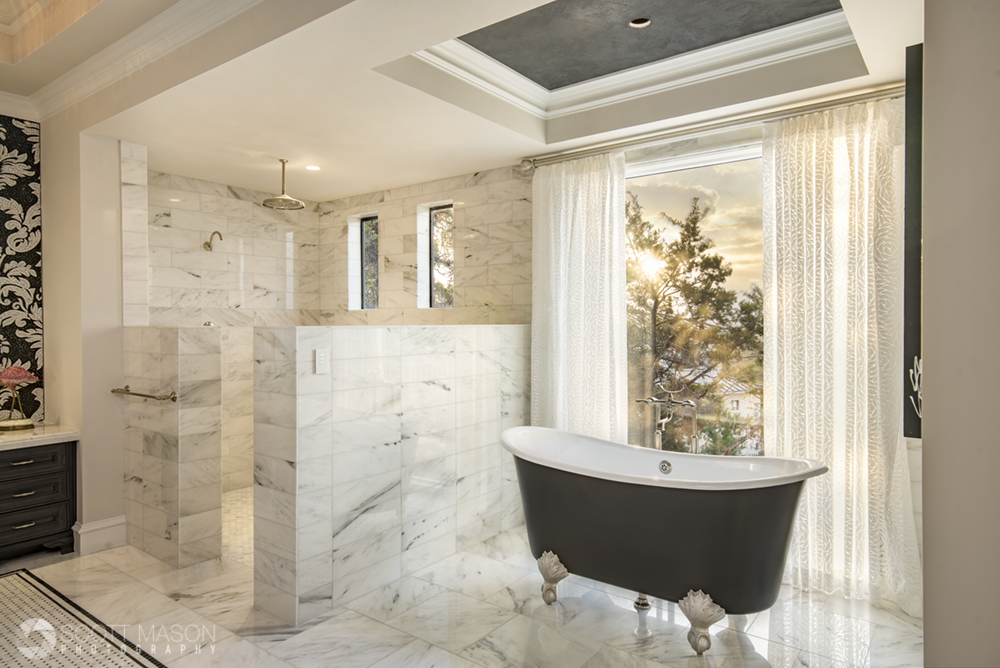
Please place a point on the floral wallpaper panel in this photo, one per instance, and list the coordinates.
(21, 261)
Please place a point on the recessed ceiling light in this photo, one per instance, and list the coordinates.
(312, 168)
(174, 199)
(639, 23)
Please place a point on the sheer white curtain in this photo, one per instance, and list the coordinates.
(833, 333)
(579, 360)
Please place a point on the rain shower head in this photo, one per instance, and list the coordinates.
(283, 202)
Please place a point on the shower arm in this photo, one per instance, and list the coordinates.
(208, 244)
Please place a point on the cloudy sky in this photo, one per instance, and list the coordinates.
(733, 193)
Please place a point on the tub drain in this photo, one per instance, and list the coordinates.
(665, 467)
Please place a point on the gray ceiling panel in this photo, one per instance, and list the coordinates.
(569, 41)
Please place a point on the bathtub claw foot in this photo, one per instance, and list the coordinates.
(552, 572)
(701, 612)
(642, 607)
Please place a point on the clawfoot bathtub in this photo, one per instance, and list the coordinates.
(708, 532)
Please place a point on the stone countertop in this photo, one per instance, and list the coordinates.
(40, 435)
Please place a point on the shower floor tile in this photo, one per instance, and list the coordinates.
(237, 525)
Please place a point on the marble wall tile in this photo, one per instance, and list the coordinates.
(493, 230)
(175, 484)
(135, 237)
(351, 557)
(363, 494)
(431, 552)
(365, 580)
(281, 604)
(182, 213)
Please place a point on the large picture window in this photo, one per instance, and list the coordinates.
(442, 250)
(695, 308)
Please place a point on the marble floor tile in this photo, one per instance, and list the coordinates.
(226, 599)
(509, 546)
(419, 654)
(395, 599)
(895, 648)
(610, 657)
(807, 660)
(230, 652)
(67, 566)
(35, 561)
(827, 634)
(478, 608)
(525, 598)
(132, 605)
(526, 643)
(888, 615)
(147, 573)
(602, 586)
(128, 558)
(669, 611)
(346, 639)
(817, 599)
(451, 620)
(472, 575)
(174, 634)
(730, 648)
(177, 579)
(607, 622)
(99, 578)
(266, 630)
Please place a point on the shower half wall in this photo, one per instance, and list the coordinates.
(173, 451)
(386, 464)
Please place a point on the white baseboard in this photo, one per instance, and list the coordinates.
(99, 535)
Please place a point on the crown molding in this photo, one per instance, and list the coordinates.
(175, 27)
(24, 17)
(17, 106)
(473, 66)
(805, 38)
(813, 36)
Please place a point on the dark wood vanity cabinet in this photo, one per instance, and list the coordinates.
(37, 498)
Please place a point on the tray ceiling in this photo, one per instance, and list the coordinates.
(570, 41)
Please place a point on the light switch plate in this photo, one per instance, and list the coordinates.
(322, 360)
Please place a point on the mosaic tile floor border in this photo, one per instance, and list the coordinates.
(39, 626)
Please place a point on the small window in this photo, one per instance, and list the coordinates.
(442, 256)
(735, 405)
(369, 262)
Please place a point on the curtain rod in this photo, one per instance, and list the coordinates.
(709, 128)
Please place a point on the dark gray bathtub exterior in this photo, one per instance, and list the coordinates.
(662, 541)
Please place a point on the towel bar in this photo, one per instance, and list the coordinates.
(159, 397)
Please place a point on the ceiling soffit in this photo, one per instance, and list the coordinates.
(802, 55)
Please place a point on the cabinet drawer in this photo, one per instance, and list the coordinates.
(22, 525)
(33, 461)
(33, 491)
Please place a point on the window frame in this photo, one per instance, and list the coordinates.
(737, 150)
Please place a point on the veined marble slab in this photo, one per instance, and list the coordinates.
(43, 434)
